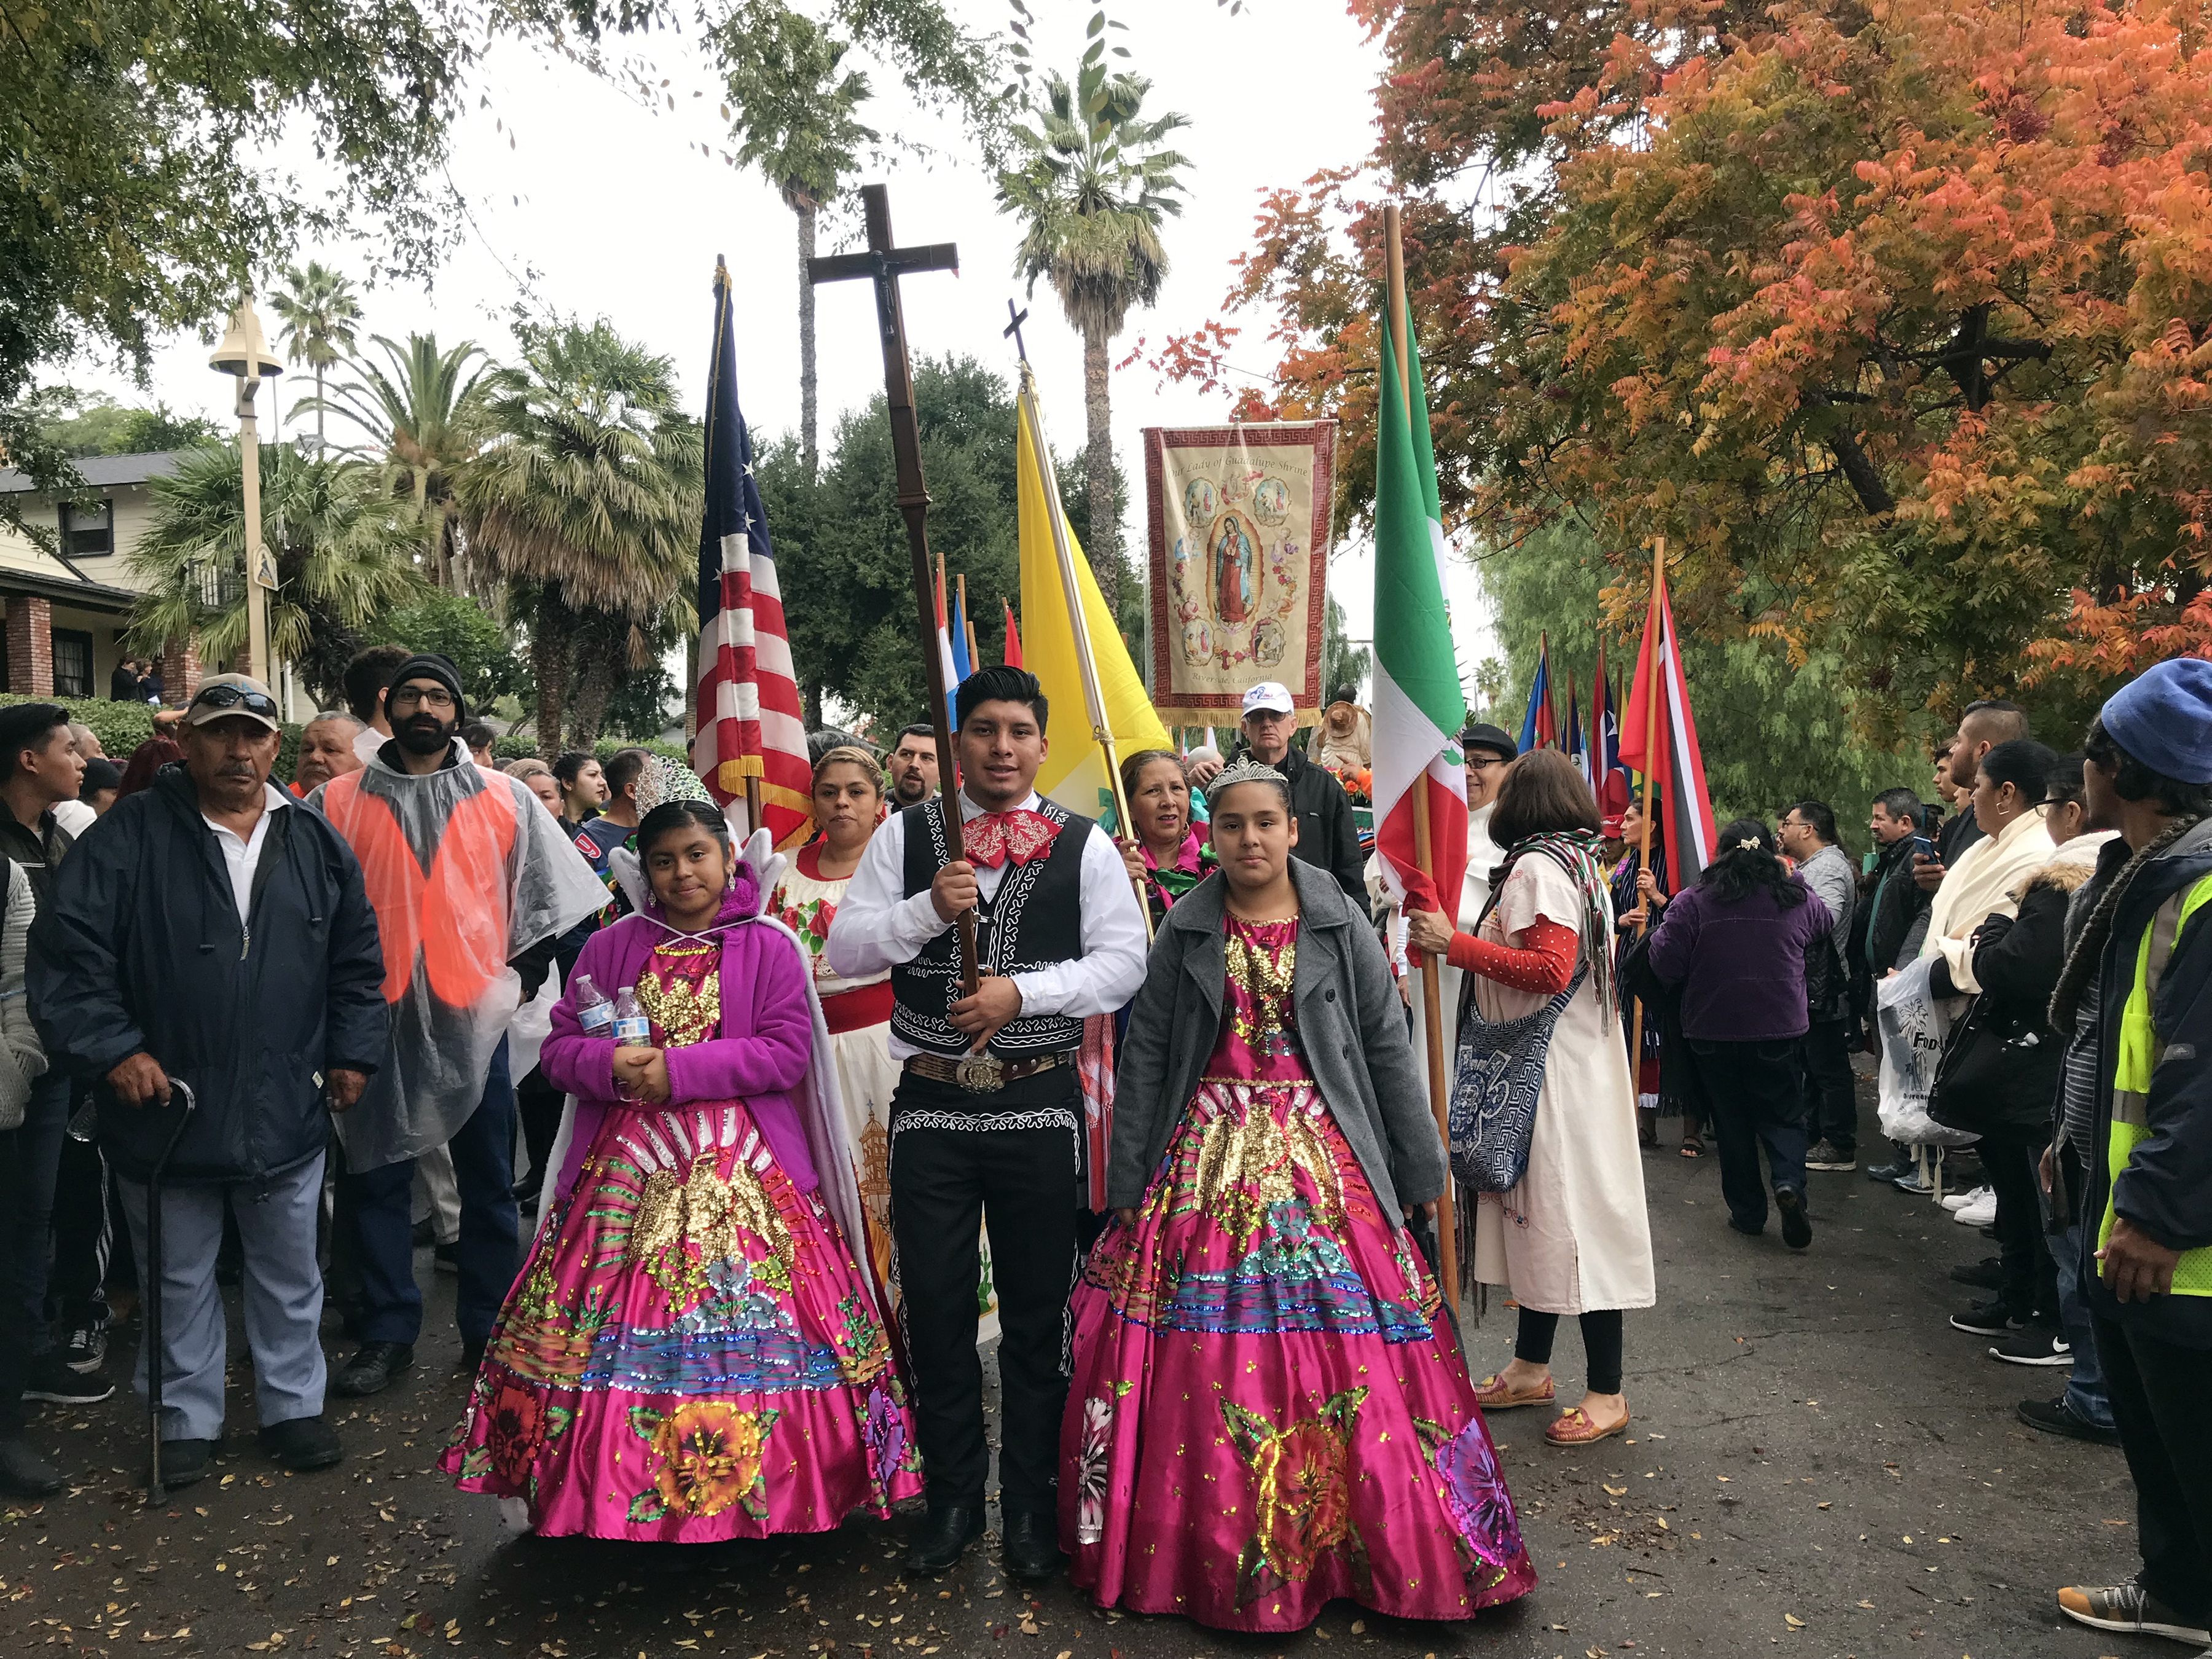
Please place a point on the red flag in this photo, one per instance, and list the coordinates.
(1674, 765)
(1013, 652)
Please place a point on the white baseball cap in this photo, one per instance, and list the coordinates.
(1271, 695)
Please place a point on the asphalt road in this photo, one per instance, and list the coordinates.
(1819, 1465)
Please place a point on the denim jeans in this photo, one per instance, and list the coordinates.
(488, 1247)
(2085, 1393)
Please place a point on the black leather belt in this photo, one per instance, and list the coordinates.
(981, 1074)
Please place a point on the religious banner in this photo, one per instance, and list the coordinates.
(1240, 518)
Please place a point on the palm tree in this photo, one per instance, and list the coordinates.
(344, 555)
(425, 419)
(797, 113)
(795, 121)
(587, 501)
(319, 310)
(1091, 191)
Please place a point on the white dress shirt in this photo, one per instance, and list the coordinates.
(876, 927)
(241, 856)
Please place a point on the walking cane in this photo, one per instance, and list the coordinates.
(151, 1291)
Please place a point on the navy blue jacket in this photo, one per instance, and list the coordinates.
(139, 949)
(1740, 966)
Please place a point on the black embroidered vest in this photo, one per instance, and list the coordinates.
(1034, 919)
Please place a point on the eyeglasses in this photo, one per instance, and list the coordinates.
(408, 697)
(232, 696)
(1484, 763)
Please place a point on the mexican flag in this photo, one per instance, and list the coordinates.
(1419, 703)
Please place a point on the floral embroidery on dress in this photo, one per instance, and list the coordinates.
(1301, 1492)
(1475, 1497)
(710, 1454)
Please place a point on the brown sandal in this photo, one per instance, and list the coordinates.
(1573, 1427)
(1493, 1396)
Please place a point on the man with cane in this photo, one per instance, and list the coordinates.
(216, 932)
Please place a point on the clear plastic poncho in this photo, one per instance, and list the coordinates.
(466, 870)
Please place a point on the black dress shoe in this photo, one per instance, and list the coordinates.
(942, 1537)
(471, 1357)
(301, 1444)
(184, 1461)
(24, 1470)
(1032, 1545)
(371, 1370)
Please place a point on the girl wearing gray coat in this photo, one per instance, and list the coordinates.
(1267, 1407)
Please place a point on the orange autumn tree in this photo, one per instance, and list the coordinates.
(1895, 319)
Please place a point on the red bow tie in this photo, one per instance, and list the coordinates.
(995, 837)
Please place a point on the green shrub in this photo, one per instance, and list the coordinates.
(511, 747)
(122, 726)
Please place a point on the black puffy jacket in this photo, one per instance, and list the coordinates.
(140, 949)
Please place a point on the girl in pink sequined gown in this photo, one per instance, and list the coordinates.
(690, 1353)
(1267, 1410)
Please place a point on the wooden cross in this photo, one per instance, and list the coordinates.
(883, 264)
(1013, 330)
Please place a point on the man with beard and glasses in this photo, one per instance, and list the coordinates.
(912, 767)
(472, 884)
(218, 935)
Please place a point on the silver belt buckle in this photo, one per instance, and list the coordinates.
(981, 1074)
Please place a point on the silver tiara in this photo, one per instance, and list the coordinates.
(1246, 771)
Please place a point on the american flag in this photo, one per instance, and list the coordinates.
(750, 723)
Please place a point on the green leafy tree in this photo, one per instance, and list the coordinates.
(588, 501)
(1771, 731)
(1092, 181)
(460, 630)
(1342, 663)
(100, 426)
(319, 310)
(425, 419)
(795, 109)
(839, 540)
(344, 557)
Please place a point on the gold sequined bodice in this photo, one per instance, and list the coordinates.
(682, 990)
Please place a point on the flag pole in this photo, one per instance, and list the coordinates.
(1432, 970)
(1094, 699)
(1643, 853)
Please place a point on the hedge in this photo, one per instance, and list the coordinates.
(122, 726)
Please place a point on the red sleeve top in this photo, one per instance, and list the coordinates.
(1543, 963)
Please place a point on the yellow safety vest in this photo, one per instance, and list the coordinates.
(2140, 1053)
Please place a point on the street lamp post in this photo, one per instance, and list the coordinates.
(244, 354)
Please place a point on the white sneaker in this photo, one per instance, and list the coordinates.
(1957, 1201)
(1980, 1214)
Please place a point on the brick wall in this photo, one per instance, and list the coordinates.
(180, 672)
(30, 646)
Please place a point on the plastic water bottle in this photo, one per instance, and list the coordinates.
(632, 1028)
(593, 1012)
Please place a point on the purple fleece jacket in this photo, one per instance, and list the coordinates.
(1740, 966)
(765, 1044)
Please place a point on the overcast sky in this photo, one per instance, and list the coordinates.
(617, 213)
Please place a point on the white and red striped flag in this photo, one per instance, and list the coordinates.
(749, 722)
(1676, 767)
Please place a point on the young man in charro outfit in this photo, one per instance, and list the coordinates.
(988, 1117)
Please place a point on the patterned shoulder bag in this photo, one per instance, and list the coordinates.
(1497, 1073)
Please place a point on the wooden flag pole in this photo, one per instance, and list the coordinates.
(883, 264)
(1643, 853)
(1432, 969)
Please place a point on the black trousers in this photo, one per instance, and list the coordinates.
(1008, 1161)
(538, 1104)
(14, 1333)
(2158, 1391)
(2031, 1275)
(1832, 1107)
(1754, 1095)
(1601, 1345)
